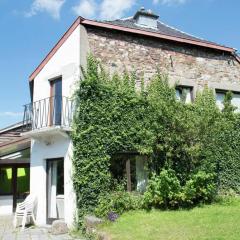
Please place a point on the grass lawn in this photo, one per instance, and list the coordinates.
(211, 222)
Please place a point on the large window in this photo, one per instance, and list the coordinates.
(220, 94)
(23, 183)
(6, 181)
(132, 169)
(184, 94)
(21, 180)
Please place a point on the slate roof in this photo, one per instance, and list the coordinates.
(162, 31)
(162, 28)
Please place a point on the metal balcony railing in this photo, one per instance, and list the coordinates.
(47, 112)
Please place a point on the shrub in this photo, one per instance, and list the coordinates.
(223, 147)
(200, 188)
(117, 203)
(163, 190)
(227, 198)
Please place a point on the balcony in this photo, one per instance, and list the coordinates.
(48, 116)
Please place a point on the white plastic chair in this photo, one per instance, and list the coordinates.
(25, 210)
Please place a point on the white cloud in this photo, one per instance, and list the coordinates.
(113, 9)
(53, 7)
(169, 2)
(85, 8)
(105, 9)
(11, 114)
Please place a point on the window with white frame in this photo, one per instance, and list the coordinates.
(220, 95)
(184, 94)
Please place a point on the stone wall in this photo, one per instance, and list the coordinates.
(187, 65)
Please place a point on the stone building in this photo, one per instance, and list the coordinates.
(141, 43)
(186, 59)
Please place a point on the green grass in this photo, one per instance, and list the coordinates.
(212, 222)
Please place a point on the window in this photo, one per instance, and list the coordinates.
(23, 183)
(6, 181)
(219, 99)
(236, 101)
(133, 169)
(56, 101)
(220, 94)
(184, 94)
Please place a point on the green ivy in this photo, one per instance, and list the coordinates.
(117, 113)
(110, 118)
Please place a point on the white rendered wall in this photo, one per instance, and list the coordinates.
(65, 63)
(56, 147)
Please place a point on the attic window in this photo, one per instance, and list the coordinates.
(146, 18)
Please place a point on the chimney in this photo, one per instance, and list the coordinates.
(146, 18)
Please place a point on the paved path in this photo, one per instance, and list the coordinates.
(7, 232)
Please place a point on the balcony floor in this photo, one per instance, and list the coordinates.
(48, 132)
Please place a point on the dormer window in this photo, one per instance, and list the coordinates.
(146, 18)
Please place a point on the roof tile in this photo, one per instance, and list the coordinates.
(162, 28)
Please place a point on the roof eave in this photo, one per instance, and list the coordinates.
(13, 126)
(157, 35)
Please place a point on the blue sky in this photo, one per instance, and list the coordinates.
(30, 28)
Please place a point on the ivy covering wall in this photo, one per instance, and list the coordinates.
(113, 115)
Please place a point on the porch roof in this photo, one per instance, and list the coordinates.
(14, 146)
(21, 161)
(11, 140)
